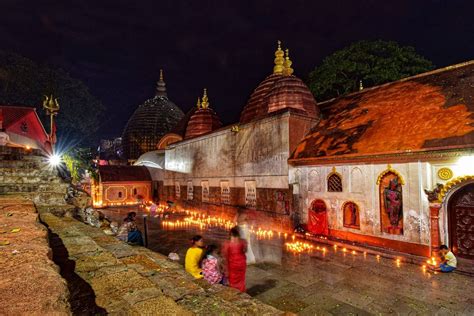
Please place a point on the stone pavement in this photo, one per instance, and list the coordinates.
(340, 283)
(136, 281)
(30, 283)
(334, 283)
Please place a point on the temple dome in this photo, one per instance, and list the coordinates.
(279, 91)
(203, 120)
(150, 121)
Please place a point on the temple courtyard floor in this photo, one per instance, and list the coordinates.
(346, 284)
(330, 282)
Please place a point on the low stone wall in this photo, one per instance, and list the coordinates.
(30, 283)
(137, 281)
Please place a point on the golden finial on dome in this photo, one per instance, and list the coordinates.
(161, 86)
(205, 100)
(198, 103)
(288, 71)
(279, 60)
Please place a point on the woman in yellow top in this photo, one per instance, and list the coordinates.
(193, 257)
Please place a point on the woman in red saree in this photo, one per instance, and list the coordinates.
(235, 261)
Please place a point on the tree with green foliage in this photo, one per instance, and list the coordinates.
(370, 62)
(24, 82)
(78, 161)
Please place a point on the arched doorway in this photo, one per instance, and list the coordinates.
(318, 218)
(461, 222)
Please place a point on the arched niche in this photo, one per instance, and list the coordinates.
(391, 202)
(318, 218)
(314, 181)
(334, 181)
(357, 180)
(351, 212)
(461, 221)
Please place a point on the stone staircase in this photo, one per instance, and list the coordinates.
(28, 173)
(127, 280)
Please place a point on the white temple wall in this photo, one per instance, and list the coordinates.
(258, 151)
(360, 186)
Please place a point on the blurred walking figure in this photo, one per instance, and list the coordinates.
(235, 261)
(193, 257)
(244, 230)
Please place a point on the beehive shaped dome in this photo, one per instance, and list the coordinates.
(203, 120)
(281, 90)
(150, 121)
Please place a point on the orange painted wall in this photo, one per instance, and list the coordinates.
(125, 193)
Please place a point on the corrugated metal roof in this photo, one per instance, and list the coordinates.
(123, 173)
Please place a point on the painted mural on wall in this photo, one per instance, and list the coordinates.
(205, 191)
(282, 205)
(250, 194)
(177, 189)
(190, 190)
(351, 215)
(391, 203)
(225, 192)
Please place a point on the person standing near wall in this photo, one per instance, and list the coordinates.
(235, 261)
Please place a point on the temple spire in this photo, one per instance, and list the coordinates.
(288, 71)
(161, 86)
(279, 60)
(205, 100)
(198, 104)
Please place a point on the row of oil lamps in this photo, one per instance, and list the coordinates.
(202, 221)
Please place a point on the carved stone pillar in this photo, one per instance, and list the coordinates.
(434, 228)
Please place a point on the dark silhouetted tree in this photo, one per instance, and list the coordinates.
(23, 82)
(372, 62)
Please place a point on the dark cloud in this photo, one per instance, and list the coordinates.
(118, 47)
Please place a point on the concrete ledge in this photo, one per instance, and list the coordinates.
(135, 280)
(30, 283)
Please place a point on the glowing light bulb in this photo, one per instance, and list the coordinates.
(54, 160)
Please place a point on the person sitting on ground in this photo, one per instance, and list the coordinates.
(211, 262)
(448, 260)
(193, 257)
(129, 231)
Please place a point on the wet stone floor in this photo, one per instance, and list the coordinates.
(333, 282)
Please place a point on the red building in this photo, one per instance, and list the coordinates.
(23, 128)
(121, 185)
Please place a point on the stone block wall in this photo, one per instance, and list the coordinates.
(30, 283)
(258, 152)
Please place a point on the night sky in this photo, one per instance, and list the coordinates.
(117, 47)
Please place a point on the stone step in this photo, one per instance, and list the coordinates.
(17, 164)
(29, 179)
(48, 199)
(33, 188)
(135, 280)
(26, 171)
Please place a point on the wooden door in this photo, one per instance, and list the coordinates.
(461, 222)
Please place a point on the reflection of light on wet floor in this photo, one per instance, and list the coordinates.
(171, 232)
